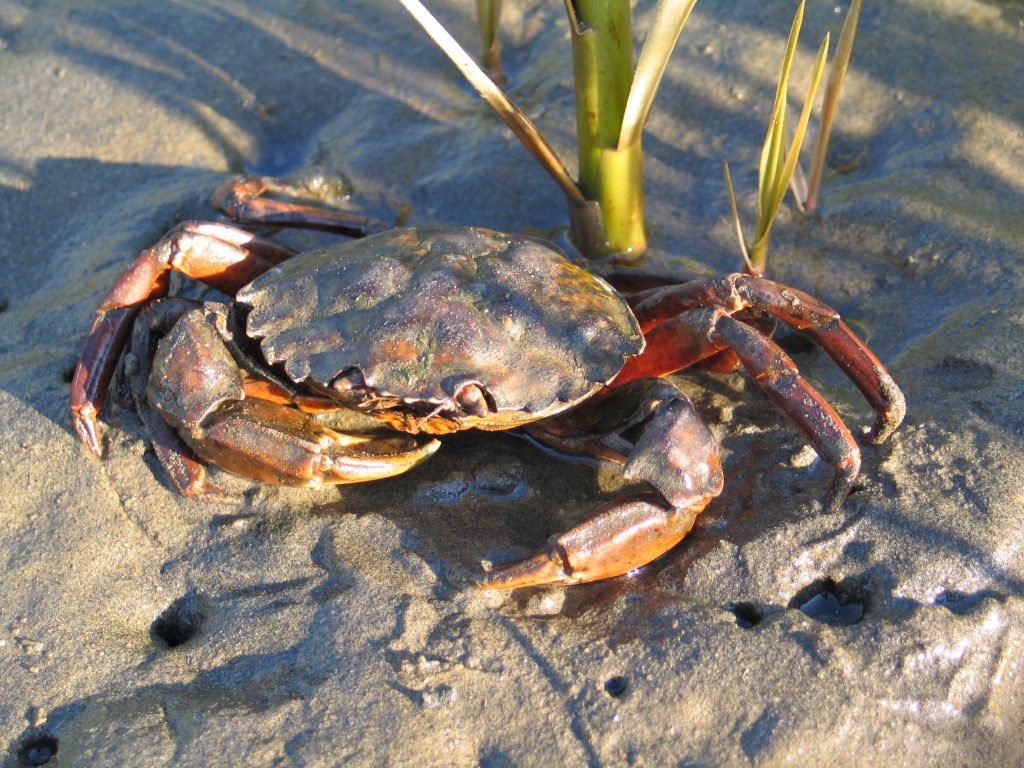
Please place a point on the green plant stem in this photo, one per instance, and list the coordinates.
(602, 44)
(488, 13)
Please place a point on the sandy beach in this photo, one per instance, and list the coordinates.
(342, 627)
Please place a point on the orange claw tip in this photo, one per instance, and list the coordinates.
(546, 567)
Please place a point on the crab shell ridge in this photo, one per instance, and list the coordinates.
(422, 312)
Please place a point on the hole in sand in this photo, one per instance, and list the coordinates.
(38, 750)
(747, 614)
(616, 686)
(831, 603)
(180, 621)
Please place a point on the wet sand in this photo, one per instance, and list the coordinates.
(341, 626)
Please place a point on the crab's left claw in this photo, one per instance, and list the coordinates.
(274, 444)
(675, 453)
(622, 536)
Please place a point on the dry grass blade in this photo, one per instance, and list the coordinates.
(833, 90)
(520, 124)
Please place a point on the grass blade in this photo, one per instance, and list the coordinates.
(781, 182)
(833, 90)
(669, 19)
(775, 139)
(520, 124)
(736, 219)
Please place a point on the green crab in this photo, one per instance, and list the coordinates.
(433, 330)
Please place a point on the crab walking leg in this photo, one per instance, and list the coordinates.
(218, 254)
(242, 200)
(736, 292)
(693, 335)
(677, 455)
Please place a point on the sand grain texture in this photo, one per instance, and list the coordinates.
(339, 627)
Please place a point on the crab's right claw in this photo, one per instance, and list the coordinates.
(677, 455)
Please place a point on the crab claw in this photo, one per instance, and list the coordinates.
(622, 536)
(373, 458)
(275, 444)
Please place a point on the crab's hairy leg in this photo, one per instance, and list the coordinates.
(697, 333)
(187, 474)
(822, 324)
(243, 200)
(675, 454)
(220, 255)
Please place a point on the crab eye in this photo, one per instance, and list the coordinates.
(474, 400)
(347, 380)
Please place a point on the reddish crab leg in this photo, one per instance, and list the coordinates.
(242, 200)
(218, 254)
(820, 322)
(676, 344)
(807, 410)
(698, 333)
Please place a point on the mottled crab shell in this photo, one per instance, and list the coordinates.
(421, 312)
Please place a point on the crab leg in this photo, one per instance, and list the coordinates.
(694, 335)
(675, 454)
(736, 292)
(220, 255)
(242, 200)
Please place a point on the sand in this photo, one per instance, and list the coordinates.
(341, 626)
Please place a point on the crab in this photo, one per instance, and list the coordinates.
(434, 330)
